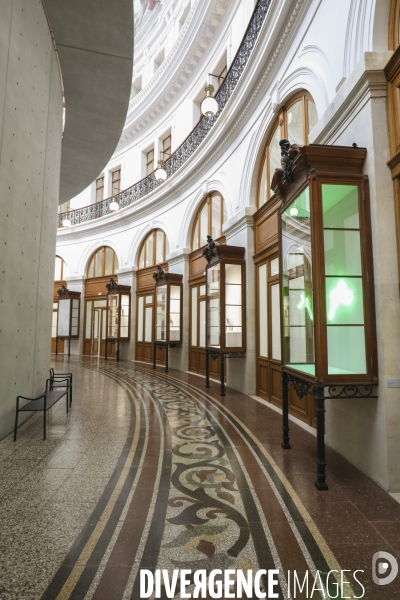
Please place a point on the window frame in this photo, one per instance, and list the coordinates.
(281, 121)
(143, 248)
(196, 223)
(99, 187)
(149, 162)
(115, 262)
(118, 180)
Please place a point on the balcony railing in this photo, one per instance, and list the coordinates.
(194, 139)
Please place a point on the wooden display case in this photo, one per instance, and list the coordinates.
(169, 309)
(328, 333)
(226, 304)
(118, 314)
(68, 316)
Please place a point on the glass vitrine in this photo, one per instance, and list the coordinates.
(168, 289)
(68, 314)
(328, 324)
(225, 276)
(118, 311)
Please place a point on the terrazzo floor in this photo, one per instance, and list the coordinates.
(148, 471)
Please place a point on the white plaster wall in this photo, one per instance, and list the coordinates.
(30, 151)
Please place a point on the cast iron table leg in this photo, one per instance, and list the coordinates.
(69, 346)
(285, 411)
(207, 370)
(154, 355)
(320, 483)
(222, 364)
(56, 346)
(166, 359)
(117, 354)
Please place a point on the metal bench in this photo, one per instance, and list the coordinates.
(56, 379)
(41, 403)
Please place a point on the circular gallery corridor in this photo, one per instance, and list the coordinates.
(148, 471)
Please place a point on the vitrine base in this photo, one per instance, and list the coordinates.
(69, 342)
(112, 341)
(303, 387)
(165, 345)
(222, 355)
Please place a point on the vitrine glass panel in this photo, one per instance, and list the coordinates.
(54, 325)
(203, 290)
(140, 319)
(112, 324)
(75, 317)
(233, 306)
(213, 292)
(175, 313)
(125, 315)
(194, 316)
(342, 252)
(344, 301)
(149, 299)
(263, 310)
(64, 308)
(346, 350)
(161, 312)
(340, 206)
(276, 322)
(297, 285)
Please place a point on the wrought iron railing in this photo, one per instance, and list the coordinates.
(194, 139)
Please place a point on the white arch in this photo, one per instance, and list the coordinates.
(96, 245)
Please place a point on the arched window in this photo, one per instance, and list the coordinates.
(294, 123)
(154, 249)
(103, 262)
(209, 220)
(59, 270)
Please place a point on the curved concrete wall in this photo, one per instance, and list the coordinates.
(30, 152)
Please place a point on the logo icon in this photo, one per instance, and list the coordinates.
(384, 568)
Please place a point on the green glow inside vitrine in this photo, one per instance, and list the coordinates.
(344, 293)
(297, 286)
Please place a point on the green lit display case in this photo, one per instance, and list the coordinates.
(327, 278)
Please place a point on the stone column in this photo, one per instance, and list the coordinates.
(178, 262)
(241, 372)
(76, 283)
(127, 276)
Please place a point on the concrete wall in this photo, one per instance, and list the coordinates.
(30, 150)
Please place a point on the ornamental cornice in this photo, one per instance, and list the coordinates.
(161, 91)
(242, 107)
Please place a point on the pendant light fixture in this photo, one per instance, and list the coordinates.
(209, 106)
(114, 206)
(160, 173)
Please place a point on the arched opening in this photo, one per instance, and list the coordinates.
(102, 265)
(209, 219)
(153, 251)
(294, 122)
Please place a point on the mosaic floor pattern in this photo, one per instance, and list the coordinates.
(150, 472)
